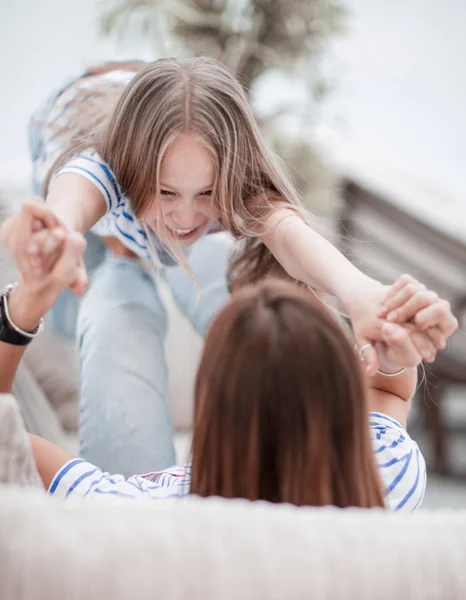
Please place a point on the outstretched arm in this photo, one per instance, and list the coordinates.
(310, 258)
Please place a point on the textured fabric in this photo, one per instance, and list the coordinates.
(36, 410)
(223, 549)
(53, 361)
(400, 465)
(17, 465)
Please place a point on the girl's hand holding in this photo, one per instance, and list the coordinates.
(407, 300)
(36, 239)
(421, 326)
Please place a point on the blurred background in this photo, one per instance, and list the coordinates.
(363, 99)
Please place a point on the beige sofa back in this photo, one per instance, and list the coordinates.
(224, 549)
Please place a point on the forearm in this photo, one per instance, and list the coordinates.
(403, 385)
(392, 396)
(10, 357)
(309, 257)
(25, 308)
(49, 458)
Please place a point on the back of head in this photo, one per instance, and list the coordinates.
(280, 410)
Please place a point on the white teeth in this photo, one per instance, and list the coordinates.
(182, 231)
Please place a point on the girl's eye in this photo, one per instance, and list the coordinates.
(166, 193)
(207, 193)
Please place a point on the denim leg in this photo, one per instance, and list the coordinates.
(126, 425)
(208, 260)
(63, 315)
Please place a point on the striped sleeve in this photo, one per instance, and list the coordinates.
(92, 166)
(400, 463)
(81, 478)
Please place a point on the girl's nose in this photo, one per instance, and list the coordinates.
(185, 217)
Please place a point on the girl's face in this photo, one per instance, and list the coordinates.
(186, 180)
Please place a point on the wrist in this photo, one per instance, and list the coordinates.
(28, 303)
(386, 365)
(359, 292)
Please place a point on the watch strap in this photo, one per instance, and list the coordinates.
(9, 332)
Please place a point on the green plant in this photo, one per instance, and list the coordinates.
(249, 36)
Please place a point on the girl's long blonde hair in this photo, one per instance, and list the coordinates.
(199, 97)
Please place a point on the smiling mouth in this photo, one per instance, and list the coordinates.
(183, 234)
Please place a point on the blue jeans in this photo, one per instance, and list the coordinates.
(126, 425)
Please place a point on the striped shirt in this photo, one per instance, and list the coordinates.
(119, 221)
(400, 463)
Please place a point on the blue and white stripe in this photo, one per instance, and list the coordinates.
(80, 478)
(401, 467)
(120, 221)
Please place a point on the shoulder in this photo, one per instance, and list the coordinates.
(87, 159)
(90, 165)
(279, 222)
(400, 463)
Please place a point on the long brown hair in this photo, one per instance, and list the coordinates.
(280, 407)
(200, 97)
